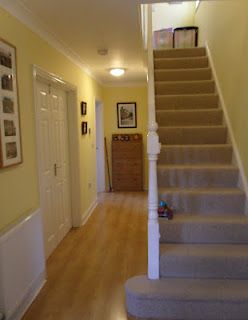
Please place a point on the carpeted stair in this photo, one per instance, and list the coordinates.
(204, 249)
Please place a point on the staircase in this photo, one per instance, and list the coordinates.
(204, 249)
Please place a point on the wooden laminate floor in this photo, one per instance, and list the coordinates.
(87, 272)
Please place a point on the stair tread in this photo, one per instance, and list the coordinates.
(210, 219)
(203, 190)
(188, 289)
(194, 126)
(183, 82)
(200, 228)
(183, 69)
(194, 95)
(181, 58)
(210, 166)
(180, 52)
(205, 261)
(197, 145)
(180, 49)
(186, 101)
(204, 250)
(216, 110)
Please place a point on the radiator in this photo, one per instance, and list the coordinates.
(22, 266)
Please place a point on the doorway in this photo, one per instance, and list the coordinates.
(54, 168)
(100, 159)
(58, 156)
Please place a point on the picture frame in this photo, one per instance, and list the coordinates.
(83, 108)
(126, 115)
(10, 133)
(84, 127)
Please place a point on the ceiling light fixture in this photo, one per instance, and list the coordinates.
(102, 51)
(117, 72)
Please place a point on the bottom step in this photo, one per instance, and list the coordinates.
(187, 299)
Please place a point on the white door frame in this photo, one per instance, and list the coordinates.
(100, 163)
(73, 139)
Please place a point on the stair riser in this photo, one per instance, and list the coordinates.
(184, 88)
(191, 178)
(169, 309)
(195, 155)
(205, 203)
(191, 135)
(189, 118)
(183, 75)
(180, 53)
(200, 233)
(186, 63)
(179, 102)
(184, 266)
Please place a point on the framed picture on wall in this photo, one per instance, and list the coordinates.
(10, 137)
(84, 127)
(83, 108)
(126, 115)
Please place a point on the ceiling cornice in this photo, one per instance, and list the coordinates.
(23, 14)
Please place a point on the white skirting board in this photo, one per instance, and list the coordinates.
(85, 217)
(22, 266)
(237, 159)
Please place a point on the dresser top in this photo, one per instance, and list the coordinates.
(127, 137)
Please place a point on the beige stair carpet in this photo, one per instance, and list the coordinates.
(203, 251)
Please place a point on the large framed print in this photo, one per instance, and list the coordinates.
(126, 115)
(10, 137)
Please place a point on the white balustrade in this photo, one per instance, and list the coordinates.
(153, 149)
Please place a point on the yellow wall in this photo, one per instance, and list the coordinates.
(112, 95)
(173, 15)
(19, 185)
(224, 24)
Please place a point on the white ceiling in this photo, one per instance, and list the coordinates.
(83, 26)
(80, 27)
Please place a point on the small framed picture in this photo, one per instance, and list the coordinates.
(8, 105)
(84, 127)
(11, 150)
(83, 108)
(126, 115)
(9, 128)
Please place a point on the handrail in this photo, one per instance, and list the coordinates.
(153, 149)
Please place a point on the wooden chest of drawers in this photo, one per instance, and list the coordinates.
(127, 162)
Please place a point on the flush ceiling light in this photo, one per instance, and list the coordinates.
(117, 72)
(102, 51)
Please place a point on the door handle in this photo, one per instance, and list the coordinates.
(55, 167)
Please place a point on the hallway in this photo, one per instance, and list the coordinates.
(87, 272)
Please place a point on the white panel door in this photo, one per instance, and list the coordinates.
(54, 164)
(61, 161)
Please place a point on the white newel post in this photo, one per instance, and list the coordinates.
(153, 149)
